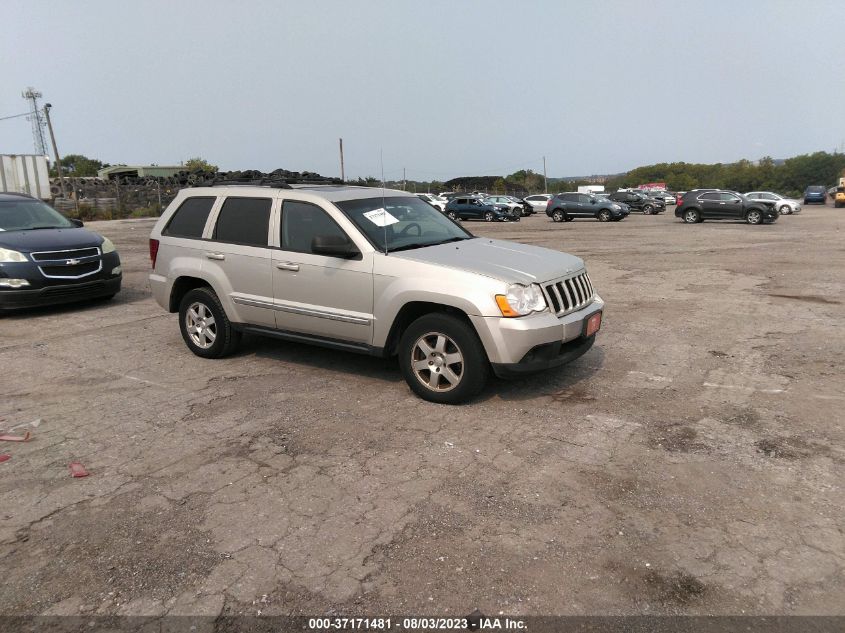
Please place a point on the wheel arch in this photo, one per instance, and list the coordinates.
(182, 286)
(412, 311)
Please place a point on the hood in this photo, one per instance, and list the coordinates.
(509, 261)
(49, 239)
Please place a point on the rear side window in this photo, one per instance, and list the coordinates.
(243, 221)
(189, 219)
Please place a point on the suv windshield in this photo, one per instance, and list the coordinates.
(28, 214)
(409, 222)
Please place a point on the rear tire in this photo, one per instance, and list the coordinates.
(452, 215)
(442, 359)
(558, 216)
(205, 327)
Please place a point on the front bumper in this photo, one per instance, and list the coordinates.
(58, 294)
(536, 342)
(43, 291)
(545, 357)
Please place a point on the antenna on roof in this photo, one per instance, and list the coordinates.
(383, 203)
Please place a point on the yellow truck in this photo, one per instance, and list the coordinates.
(839, 196)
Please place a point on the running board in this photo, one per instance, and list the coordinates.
(297, 337)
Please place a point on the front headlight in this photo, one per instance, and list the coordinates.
(521, 300)
(7, 256)
(616, 206)
(107, 246)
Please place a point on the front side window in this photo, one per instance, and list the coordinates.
(189, 219)
(26, 214)
(401, 223)
(302, 221)
(243, 221)
(710, 196)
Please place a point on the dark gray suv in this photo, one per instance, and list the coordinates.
(637, 201)
(565, 207)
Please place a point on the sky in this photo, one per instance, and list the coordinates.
(439, 89)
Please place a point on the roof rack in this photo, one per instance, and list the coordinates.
(277, 183)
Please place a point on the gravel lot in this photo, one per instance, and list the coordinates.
(691, 462)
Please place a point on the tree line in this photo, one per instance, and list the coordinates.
(789, 177)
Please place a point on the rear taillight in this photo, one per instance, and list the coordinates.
(680, 201)
(549, 203)
(153, 252)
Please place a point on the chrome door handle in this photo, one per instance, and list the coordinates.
(219, 256)
(287, 266)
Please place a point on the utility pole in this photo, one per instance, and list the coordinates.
(545, 180)
(55, 149)
(403, 180)
(342, 172)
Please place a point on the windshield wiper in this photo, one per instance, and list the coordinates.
(451, 239)
(407, 247)
(36, 228)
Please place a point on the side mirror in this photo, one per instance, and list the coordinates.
(76, 222)
(333, 246)
(593, 200)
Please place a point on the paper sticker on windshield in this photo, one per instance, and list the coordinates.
(380, 217)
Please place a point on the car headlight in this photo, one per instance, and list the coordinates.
(107, 246)
(616, 206)
(521, 300)
(7, 256)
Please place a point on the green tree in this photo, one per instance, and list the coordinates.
(199, 164)
(78, 165)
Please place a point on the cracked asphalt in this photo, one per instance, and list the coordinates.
(691, 462)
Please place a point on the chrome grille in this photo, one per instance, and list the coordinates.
(76, 253)
(570, 294)
(70, 264)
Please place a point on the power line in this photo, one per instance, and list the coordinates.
(14, 116)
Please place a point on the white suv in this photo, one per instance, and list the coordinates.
(371, 271)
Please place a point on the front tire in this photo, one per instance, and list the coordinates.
(648, 209)
(205, 327)
(754, 217)
(488, 216)
(691, 216)
(442, 359)
(604, 215)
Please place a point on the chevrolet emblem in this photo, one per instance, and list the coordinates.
(71, 262)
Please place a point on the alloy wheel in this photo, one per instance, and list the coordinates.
(437, 362)
(200, 324)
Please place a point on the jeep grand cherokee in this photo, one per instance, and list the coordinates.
(370, 271)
